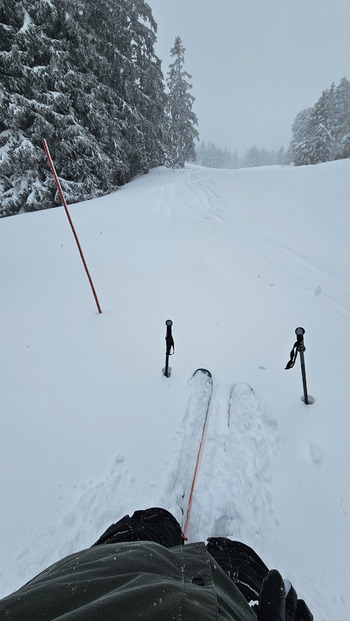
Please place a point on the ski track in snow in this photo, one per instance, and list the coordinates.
(194, 195)
(202, 199)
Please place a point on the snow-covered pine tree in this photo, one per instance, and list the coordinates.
(341, 129)
(231, 159)
(124, 32)
(182, 119)
(282, 157)
(320, 139)
(21, 62)
(147, 131)
(69, 73)
(201, 154)
(298, 152)
(43, 89)
(207, 155)
(322, 133)
(252, 158)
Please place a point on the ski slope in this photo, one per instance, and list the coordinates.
(92, 430)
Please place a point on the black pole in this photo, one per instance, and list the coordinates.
(301, 348)
(169, 346)
(308, 400)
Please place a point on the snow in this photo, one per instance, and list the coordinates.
(27, 21)
(92, 430)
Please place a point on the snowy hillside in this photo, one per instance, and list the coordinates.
(92, 430)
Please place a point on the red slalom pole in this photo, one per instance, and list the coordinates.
(70, 222)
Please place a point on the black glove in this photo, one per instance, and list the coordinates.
(276, 605)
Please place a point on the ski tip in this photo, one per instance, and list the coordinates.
(204, 371)
(241, 388)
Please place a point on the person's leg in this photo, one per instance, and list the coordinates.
(153, 524)
(270, 597)
(240, 563)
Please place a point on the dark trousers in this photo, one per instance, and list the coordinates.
(239, 562)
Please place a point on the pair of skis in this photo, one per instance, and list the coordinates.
(199, 410)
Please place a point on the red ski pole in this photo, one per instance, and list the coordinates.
(70, 222)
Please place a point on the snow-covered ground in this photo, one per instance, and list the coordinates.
(91, 429)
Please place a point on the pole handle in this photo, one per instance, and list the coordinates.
(300, 339)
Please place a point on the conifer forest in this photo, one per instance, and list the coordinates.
(85, 77)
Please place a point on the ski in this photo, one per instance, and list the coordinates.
(240, 396)
(196, 417)
(253, 438)
(247, 409)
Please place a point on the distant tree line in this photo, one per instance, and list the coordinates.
(264, 157)
(84, 75)
(322, 133)
(319, 134)
(212, 156)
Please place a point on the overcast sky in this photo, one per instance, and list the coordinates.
(255, 63)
